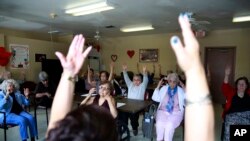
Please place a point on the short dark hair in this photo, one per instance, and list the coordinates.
(246, 81)
(139, 76)
(86, 123)
(105, 72)
(111, 88)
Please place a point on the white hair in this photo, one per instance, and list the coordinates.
(43, 76)
(8, 82)
(173, 76)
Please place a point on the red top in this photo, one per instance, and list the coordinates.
(228, 92)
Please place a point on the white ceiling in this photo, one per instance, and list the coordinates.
(33, 15)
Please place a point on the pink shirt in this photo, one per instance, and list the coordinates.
(165, 101)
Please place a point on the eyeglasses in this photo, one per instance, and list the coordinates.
(104, 88)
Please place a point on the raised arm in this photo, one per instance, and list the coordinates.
(71, 64)
(227, 74)
(145, 76)
(156, 94)
(90, 81)
(227, 89)
(125, 75)
(111, 73)
(197, 128)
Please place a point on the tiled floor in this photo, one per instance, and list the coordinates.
(13, 133)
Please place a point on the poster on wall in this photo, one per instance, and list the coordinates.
(20, 56)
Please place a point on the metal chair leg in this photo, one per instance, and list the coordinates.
(5, 134)
(47, 118)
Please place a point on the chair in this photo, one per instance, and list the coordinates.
(6, 126)
(32, 86)
(36, 106)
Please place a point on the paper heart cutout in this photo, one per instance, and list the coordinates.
(113, 57)
(131, 53)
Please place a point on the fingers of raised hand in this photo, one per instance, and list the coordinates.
(191, 50)
(124, 66)
(187, 33)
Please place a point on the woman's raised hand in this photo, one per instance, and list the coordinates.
(75, 58)
(227, 70)
(124, 67)
(188, 53)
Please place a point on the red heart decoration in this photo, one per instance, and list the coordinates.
(113, 57)
(4, 56)
(131, 53)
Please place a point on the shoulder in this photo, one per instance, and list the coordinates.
(2, 94)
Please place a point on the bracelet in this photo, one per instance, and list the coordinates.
(73, 79)
(200, 101)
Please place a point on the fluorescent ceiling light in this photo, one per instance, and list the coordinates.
(136, 28)
(89, 8)
(241, 19)
(93, 11)
(53, 31)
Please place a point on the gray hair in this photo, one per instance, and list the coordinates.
(173, 76)
(43, 76)
(8, 82)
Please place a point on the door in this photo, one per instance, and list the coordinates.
(216, 60)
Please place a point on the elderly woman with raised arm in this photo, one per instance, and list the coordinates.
(12, 102)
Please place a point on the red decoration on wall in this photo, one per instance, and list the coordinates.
(131, 53)
(97, 47)
(4, 57)
(113, 57)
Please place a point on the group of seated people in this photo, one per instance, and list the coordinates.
(13, 101)
(87, 122)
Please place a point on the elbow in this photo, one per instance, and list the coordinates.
(115, 115)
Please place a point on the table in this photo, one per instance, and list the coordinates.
(132, 106)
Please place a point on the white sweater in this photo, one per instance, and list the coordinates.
(158, 95)
(136, 92)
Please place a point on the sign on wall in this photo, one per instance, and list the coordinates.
(20, 56)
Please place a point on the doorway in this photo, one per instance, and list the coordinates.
(216, 60)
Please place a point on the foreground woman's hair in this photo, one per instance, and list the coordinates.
(86, 123)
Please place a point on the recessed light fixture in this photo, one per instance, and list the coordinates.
(241, 19)
(136, 28)
(89, 8)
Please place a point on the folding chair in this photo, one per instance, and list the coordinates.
(5, 126)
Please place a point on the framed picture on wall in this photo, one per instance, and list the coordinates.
(40, 57)
(148, 55)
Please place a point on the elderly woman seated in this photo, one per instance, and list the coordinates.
(45, 90)
(170, 112)
(237, 107)
(11, 102)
